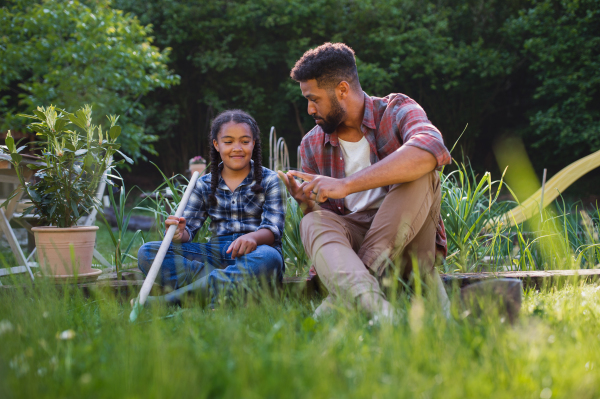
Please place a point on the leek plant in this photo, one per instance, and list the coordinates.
(560, 237)
(121, 251)
(468, 205)
(294, 255)
(165, 198)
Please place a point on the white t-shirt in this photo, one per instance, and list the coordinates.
(357, 156)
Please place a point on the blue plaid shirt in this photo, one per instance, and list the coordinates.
(240, 211)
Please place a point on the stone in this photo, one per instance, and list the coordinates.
(503, 295)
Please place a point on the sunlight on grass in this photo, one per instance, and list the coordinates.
(57, 342)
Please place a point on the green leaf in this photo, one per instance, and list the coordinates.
(115, 132)
(11, 196)
(108, 228)
(34, 195)
(52, 209)
(169, 182)
(39, 114)
(114, 176)
(60, 125)
(27, 116)
(70, 146)
(88, 160)
(81, 152)
(81, 116)
(16, 157)
(10, 143)
(113, 146)
(124, 254)
(74, 207)
(29, 210)
(129, 160)
(76, 121)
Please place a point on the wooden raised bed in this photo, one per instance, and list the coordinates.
(132, 281)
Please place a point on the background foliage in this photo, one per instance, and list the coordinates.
(516, 67)
(72, 53)
(561, 43)
(528, 68)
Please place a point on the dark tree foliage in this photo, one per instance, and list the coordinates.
(449, 56)
(71, 53)
(561, 42)
(513, 67)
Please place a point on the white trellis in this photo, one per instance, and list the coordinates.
(279, 156)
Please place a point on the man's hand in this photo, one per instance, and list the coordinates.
(181, 235)
(242, 246)
(321, 188)
(297, 192)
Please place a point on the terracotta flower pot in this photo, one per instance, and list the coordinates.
(56, 258)
(200, 167)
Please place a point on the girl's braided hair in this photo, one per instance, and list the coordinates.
(237, 116)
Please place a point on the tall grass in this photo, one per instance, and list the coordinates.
(55, 342)
(61, 344)
(561, 236)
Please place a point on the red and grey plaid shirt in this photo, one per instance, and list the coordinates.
(389, 123)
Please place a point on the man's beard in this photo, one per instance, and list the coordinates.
(334, 118)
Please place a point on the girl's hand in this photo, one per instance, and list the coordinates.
(242, 246)
(180, 233)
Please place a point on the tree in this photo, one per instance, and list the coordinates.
(561, 41)
(239, 54)
(69, 53)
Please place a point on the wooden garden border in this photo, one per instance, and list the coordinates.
(131, 281)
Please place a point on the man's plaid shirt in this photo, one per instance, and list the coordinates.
(388, 123)
(240, 211)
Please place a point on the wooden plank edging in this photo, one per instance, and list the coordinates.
(307, 285)
(534, 278)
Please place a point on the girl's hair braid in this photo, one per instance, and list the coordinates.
(237, 116)
(257, 158)
(215, 160)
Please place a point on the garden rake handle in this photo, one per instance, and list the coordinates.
(162, 251)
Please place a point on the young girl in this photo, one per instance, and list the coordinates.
(245, 204)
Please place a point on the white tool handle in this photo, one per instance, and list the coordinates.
(164, 246)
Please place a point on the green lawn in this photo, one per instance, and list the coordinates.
(274, 349)
(60, 344)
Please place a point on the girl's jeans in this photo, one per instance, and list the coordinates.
(186, 262)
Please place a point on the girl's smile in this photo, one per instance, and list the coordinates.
(235, 145)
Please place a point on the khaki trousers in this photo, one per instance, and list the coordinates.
(351, 252)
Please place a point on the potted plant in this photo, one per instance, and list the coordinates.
(197, 164)
(75, 155)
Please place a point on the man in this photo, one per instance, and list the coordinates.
(371, 190)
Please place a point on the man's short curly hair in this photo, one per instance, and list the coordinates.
(329, 64)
